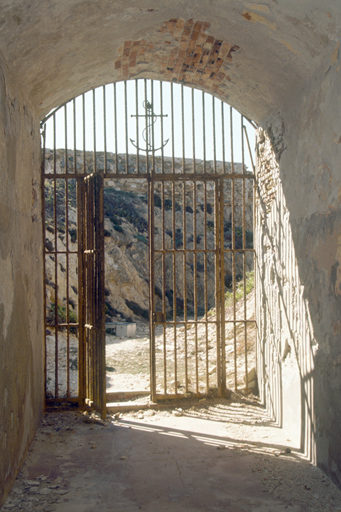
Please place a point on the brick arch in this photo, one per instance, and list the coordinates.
(181, 51)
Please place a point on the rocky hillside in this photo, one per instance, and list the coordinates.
(126, 245)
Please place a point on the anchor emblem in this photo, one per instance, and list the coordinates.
(147, 133)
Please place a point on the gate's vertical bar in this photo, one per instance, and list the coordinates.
(233, 254)
(74, 137)
(174, 293)
(146, 125)
(81, 288)
(126, 124)
(214, 136)
(105, 127)
(164, 286)
(67, 259)
(137, 126)
(115, 126)
(223, 136)
(184, 242)
(151, 286)
(206, 288)
(100, 313)
(244, 253)
(94, 128)
(222, 388)
(83, 129)
(152, 134)
(195, 264)
(161, 112)
(172, 124)
(56, 319)
(217, 278)
(204, 130)
(94, 260)
(193, 131)
(43, 216)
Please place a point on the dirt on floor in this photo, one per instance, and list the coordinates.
(81, 463)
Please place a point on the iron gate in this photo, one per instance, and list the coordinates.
(206, 242)
(200, 219)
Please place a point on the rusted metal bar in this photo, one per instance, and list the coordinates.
(81, 279)
(164, 177)
(153, 133)
(184, 261)
(115, 127)
(223, 136)
(161, 112)
(204, 131)
(172, 125)
(94, 129)
(217, 281)
(67, 288)
(105, 127)
(164, 286)
(137, 126)
(234, 281)
(74, 137)
(146, 126)
(56, 259)
(126, 126)
(151, 286)
(222, 387)
(43, 206)
(193, 131)
(183, 128)
(100, 293)
(83, 132)
(195, 263)
(207, 371)
(214, 136)
(174, 293)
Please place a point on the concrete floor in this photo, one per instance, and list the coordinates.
(158, 463)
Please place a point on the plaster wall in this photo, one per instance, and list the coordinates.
(21, 298)
(299, 273)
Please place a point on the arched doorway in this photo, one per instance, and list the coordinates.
(187, 156)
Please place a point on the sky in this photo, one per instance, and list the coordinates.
(201, 123)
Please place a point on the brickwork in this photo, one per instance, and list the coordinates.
(180, 51)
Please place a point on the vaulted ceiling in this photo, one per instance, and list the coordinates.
(255, 55)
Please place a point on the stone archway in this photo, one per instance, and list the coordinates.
(284, 75)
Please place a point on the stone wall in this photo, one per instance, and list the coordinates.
(299, 259)
(21, 297)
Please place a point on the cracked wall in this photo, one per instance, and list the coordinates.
(21, 300)
(299, 259)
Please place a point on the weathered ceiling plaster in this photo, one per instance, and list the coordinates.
(60, 48)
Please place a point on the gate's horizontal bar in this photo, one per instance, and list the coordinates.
(60, 252)
(158, 176)
(201, 176)
(63, 325)
(188, 322)
(240, 321)
(187, 251)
